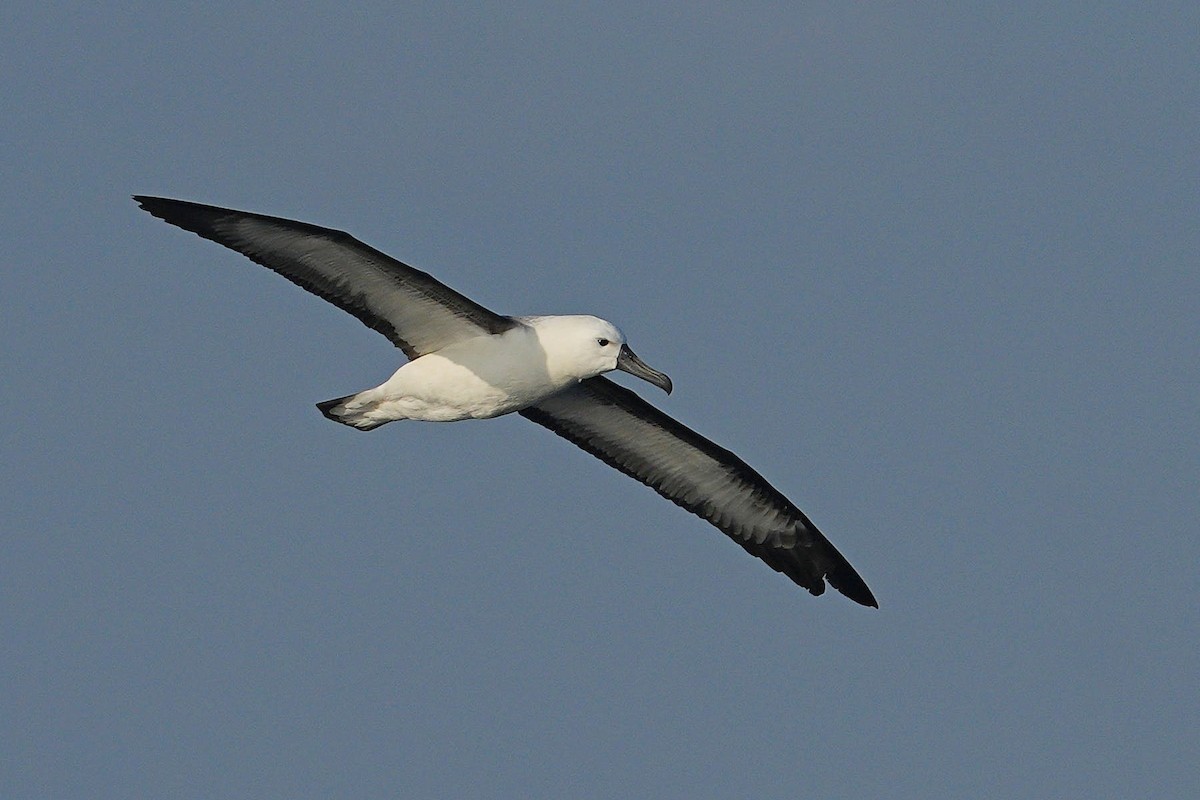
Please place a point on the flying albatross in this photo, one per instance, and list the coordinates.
(467, 362)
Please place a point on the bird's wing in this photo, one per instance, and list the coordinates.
(623, 430)
(418, 313)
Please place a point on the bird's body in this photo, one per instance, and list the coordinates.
(461, 382)
(467, 362)
(487, 375)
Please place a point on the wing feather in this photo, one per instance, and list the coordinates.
(414, 310)
(627, 433)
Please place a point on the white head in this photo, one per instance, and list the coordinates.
(582, 346)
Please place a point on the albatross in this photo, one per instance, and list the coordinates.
(467, 362)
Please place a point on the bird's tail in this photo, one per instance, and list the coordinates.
(350, 411)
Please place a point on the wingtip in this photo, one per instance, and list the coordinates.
(152, 205)
(850, 584)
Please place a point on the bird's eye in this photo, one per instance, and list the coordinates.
(602, 342)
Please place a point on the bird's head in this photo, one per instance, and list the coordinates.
(587, 346)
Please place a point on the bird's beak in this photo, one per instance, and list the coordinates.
(627, 361)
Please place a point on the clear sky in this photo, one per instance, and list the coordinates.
(930, 268)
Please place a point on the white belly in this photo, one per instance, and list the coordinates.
(477, 379)
(435, 389)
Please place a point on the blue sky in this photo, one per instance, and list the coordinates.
(931, 269)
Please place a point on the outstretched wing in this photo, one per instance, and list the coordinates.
(623, 430)
(418, 313)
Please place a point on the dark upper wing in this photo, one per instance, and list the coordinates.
(623, 430)
(416, 312)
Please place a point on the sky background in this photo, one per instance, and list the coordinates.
(930, 268)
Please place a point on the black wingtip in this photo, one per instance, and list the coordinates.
(851, 584)
(177, 212)
(204, 220)
(183, 213)
(146, 202)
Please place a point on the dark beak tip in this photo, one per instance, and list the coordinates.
(627, 361)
